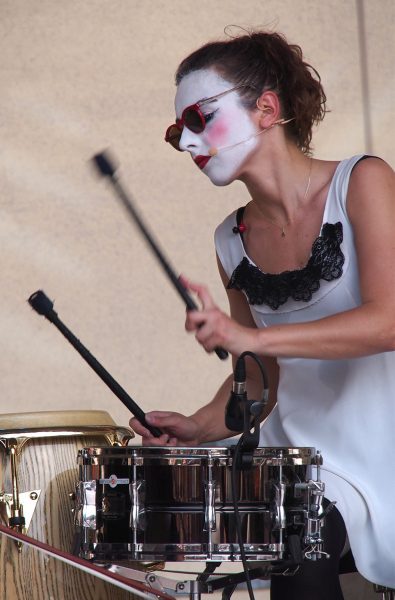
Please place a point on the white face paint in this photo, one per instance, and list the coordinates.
(229, 126)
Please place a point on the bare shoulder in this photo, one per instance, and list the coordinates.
(372, 164)
(372, 184)
(371, 172)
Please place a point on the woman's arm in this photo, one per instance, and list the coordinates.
(207, 424)
(367, 329)
(211, 416)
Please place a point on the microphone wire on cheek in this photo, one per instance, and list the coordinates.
(213, 151)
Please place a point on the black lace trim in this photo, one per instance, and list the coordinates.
(326, 262)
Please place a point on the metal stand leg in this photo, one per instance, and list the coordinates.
(386, 593)
(228, 591)
(204, 584)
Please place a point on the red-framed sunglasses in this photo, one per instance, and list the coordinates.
(193, 119)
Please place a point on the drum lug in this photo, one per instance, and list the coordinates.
(85, 505)
(209, 509)
(278, 510)
(137, 514)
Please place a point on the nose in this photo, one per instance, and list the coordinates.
(188, 140)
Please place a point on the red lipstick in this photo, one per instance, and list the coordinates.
(201, 161)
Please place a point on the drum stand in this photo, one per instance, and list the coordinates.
(205, 583)
(387, 593)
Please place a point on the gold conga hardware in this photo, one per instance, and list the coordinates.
(114, 435)
(16, 519)
(37, 470)
(28, 504)
(73, 498)
(11, 447)
(19, 506)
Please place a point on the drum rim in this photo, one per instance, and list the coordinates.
(194, 453)
(49, 419)
(116, 435)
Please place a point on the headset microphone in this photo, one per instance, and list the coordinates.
(214, 151)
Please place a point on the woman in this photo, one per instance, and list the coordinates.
(308, 268)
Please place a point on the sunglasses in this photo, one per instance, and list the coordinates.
(193, 119)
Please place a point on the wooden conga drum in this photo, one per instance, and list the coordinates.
(38, 455)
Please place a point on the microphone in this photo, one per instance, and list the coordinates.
(213, 151)
(234, 411)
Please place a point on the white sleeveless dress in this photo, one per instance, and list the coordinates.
(345, 408)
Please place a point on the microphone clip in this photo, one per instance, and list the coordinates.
(234, 412)
(249, 439)
(243, 415)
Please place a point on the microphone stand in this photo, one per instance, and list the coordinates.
(243, 415)
(44, 306)
(243, 452)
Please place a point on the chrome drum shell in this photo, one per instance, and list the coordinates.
(175, 504)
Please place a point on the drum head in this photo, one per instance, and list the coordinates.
(62, 418)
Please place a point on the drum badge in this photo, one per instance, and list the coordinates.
(113, 481)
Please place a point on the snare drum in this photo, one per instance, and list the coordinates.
(175, 504)
(38, 473)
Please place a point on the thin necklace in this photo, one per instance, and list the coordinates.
(282, 227)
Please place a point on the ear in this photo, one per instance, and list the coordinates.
(268, 104)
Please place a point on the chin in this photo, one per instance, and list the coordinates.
(221, 176)
(220, 181)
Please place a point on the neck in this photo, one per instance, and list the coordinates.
(279, 191)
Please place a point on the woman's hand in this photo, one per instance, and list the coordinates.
(177, 429)
(216, 329)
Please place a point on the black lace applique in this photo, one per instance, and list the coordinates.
(326, 262)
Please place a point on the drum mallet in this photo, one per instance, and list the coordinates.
(107, 169)
(44, 306)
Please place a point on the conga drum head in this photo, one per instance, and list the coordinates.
(61, 418)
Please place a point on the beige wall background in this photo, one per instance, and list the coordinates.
(80, 76)
(83, 75)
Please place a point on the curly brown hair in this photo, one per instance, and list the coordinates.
(264, 61)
